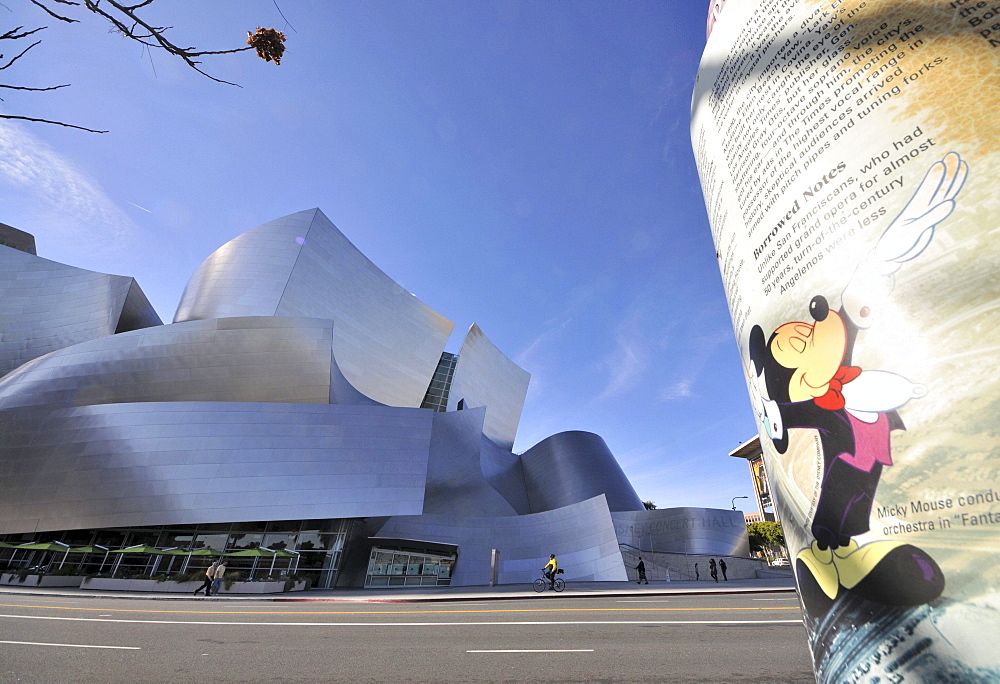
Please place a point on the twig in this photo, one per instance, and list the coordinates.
(53, 14)
(14, 59)
(10, 87)
(48, 121)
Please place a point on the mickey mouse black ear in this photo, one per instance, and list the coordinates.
(758, 348)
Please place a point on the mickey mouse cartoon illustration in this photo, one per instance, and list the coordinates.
(807, 372)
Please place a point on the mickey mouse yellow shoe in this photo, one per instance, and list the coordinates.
(821, 566)
(889, 572)
(855, 562)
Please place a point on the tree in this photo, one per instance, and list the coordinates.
(766, 537)
(126, 20)
(650, 506)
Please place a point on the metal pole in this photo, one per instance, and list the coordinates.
(494, 566)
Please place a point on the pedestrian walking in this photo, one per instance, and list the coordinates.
(713, 570)
(722, 566)
(219, 572)
(641, 569)
(209, 576)
(696, 575)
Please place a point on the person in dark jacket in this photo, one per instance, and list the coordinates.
(713, 570)
(722, 566)
(209, 577)
(641, 569)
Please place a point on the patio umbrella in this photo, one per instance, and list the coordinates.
(284, 553)
(45, 546)
(93, 548)
(256, 554)
(144, 549)
(159, 553)
(204, 551)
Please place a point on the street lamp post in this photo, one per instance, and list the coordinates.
(738, 497)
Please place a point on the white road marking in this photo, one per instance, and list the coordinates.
(415, 624)
(39, 643)
(537, 650)
(776, 599)
(644, 601)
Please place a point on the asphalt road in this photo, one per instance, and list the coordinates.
(744, 638)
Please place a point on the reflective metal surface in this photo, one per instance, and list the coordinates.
(455, 482)
(574, 466)
(388, 342)
(581, 535)
(485, 377)
(18, 239)
(200, 462)
(46, 306)
(684, 530)
(286, 390)
(225, 359)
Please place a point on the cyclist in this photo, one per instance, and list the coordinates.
(550, 570)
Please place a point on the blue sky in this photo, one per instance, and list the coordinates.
(523, 165)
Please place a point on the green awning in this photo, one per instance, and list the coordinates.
(140, 548)
(88, 549)
(207, 551)
(44, 546)
(259, 553)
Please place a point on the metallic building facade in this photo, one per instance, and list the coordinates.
(45, 306)
(289, 388)
(485, 377)
(388, 342)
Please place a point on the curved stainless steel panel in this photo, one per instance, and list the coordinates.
(574, 466)
(502, 469)
(17, 239)
(485, 377)
(227, 359)
(388, 342)
(455, 482)
(203, 462)
(46, 306)
(581, 535)
(711, 531)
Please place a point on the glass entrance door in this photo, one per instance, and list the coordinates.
(392, 568)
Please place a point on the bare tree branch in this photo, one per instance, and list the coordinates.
(14, 35)
(124, 19)
(141, 4)
(53, 14)
(14, 59)
(154, 37)
(55, 123)
(287, 23)
(10, 87)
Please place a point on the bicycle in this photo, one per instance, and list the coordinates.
(542, 582)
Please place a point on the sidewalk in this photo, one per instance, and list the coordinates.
(574, 590)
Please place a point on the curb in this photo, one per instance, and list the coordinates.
(520, 596)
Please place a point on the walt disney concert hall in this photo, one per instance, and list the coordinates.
(299, 400)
